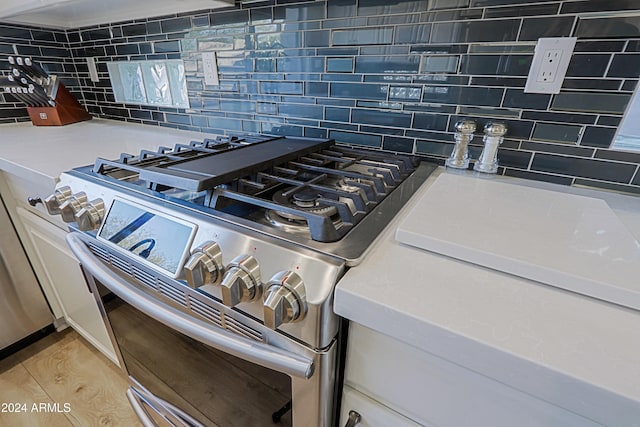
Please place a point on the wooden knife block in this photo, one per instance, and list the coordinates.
(67, 110)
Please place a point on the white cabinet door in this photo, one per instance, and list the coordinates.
(57, 267)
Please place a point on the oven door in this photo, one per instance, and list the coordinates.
(186, 371)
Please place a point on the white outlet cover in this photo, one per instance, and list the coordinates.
(210, 68)
(93, 70)
(549, 65)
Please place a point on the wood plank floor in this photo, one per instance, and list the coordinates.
(79, 384)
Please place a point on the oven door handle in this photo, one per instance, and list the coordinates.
(262, 354)
(138, 408)
(138, 400)
(175, 416)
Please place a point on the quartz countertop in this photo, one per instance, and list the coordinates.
(564, 240)
(577, 352)
(42, 153)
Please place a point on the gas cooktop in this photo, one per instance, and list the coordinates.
(312, 192)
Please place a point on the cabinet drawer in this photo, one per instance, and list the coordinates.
(433, 391)
(372, 413)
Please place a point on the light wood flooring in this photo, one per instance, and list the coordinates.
(81, 386)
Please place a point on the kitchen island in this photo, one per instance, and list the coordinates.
(479, 347)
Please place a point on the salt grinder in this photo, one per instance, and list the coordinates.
(493, 137)
(459, 158)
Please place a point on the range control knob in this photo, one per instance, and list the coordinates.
(204, 266)
(53, 202)
(241, 282)
(70, 208)
(90, 217)
(34, 200)
(285, 299)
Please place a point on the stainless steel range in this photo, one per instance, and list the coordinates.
(214, 263)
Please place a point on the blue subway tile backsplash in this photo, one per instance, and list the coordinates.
(386, 75)
(363, 36)
(339, 65)
(591, 102)
(625, 65)
(564, 134)
(585, 168)
(359, 91)
(598, 6)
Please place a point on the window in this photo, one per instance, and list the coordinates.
(159, 83)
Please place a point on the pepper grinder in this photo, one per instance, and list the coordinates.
(493, 137)
(459, 157)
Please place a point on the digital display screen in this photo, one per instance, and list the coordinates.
(153, 237)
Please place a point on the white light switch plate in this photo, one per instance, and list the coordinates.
(550, 63)
(93, 70)
(210, 65)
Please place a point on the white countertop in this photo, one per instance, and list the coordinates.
(564, 240)
(576, 352)
(42, 153)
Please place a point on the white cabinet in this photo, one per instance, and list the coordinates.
(58, 270)
(391, 378)
(57, 267)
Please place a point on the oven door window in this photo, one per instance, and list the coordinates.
(211, 386)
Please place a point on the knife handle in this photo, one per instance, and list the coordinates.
(42, 97)
(38, 71)
(15, 66)
(14, 82)
(18, 94)
(23, 78)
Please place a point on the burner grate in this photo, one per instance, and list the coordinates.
(264, 179)
(322, 195)
(131, 166)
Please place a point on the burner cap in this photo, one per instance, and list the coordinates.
(297, 224)
(345, 184)
(305, 199)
